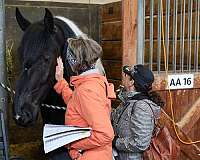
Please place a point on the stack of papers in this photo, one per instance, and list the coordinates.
(55, 136)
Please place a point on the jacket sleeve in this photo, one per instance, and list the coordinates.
(141, 128)
(93, 110)
(62, 87)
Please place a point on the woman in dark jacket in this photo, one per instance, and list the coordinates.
(133, 120)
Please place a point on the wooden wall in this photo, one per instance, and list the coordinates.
(183, 100)
(111, 40)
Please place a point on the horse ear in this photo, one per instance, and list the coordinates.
(23, 23)
(48, 21)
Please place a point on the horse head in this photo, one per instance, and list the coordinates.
(41, 44)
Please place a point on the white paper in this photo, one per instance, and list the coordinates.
(55, 136)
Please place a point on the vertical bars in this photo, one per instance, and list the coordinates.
(196, 36)
(143, 29)
(159, 37)
(186, 59)
(167, 32)
(189, 34)
(182, 36)
(174, 41)
(141, 33)
(151, 34)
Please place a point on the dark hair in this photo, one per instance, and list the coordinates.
(156, 98)
(144, 89)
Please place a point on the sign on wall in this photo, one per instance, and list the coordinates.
(180, 81)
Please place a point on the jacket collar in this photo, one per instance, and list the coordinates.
(97, 77)
(91, 71)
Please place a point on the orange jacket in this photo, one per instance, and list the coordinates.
(89, 105)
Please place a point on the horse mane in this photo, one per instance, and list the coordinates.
(73, 26)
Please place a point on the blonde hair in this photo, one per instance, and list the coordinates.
(86, 50)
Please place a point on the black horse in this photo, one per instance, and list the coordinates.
(41, 44)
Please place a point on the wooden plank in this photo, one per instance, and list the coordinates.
(129, 26)
(192, 97)
(195, 134)
(47, 4)
(180, 103)
(111, 12)
(192, 151)
(191, 117)
(113, 69)
(112, 31)
(112, 50)
(155, 26)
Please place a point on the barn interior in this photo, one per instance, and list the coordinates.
(106, 22)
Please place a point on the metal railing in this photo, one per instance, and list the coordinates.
(181, 27)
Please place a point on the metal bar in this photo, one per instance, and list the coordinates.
(175, 34)
(3, 94)
(5, 138)
(181, 36)
(144, 7)
(141, 33)
(159, 37)
(197, 37)
(167, 32)
(151, 34)
(182, 44)
(189, 35)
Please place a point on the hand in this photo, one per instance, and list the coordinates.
(74, 154)
(59, 69)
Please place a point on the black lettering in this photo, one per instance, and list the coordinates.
(178, 82)
(172, 83)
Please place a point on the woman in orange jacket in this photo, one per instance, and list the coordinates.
(89, 105)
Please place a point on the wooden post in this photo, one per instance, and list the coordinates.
(129, 27)
(129, 30)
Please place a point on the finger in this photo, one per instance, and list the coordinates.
(58, 60)
(57, 70)
(60, 63)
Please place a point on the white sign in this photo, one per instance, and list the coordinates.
(180, 81)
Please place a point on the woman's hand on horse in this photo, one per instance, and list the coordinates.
(59, 69)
